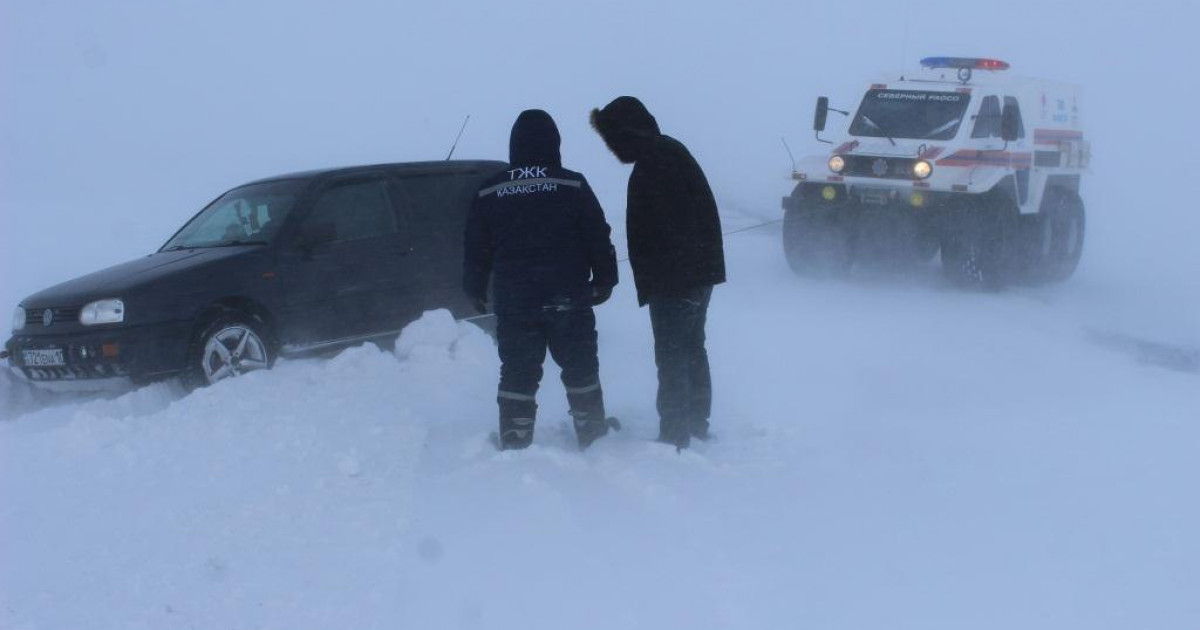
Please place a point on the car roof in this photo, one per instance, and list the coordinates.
(400, 168)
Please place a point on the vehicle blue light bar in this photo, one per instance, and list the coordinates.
(967, 63)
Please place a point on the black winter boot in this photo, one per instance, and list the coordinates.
(517, 418)
(587, 410)
(674, 432)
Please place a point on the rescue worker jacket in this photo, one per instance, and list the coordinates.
(537, 229)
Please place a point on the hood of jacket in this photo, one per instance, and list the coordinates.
(626, 127)
(534, 140)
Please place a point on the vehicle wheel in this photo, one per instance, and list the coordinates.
(893, 242)
(230, 345)
(1057, 238)
(926, 249)
(816, 242)
(978, 248)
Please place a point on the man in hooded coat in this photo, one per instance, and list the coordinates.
(537, 230)
(677, 255)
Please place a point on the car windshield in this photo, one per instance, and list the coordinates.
(250, 215)
(910, 114)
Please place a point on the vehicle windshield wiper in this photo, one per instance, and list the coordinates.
(945, 127)
(867, 119)
(236, 243)
(233, 243)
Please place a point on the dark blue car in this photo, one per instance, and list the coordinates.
(280, 266)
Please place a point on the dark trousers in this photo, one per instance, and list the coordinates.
(523, 339)
(684, 381)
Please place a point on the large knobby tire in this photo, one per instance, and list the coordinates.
(1056, 240)
(816, 242)
(979, 246)
(229, 344)
(926, 249)
(890, 239)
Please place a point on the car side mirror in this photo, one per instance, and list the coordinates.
(318, 234)
(1010, 123)
(821, 114)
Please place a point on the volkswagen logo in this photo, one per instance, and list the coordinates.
(879, 167)
(47, 317)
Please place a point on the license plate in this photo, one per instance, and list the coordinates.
(875, 196)
(43, 358)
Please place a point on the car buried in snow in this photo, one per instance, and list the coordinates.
(281, 266)
(962, 159)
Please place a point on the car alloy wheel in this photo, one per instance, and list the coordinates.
(233, 351)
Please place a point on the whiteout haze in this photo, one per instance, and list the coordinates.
(891, 452)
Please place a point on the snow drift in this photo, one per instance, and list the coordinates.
(888, 455)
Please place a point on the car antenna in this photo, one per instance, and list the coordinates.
(789, 152)
(459, 137)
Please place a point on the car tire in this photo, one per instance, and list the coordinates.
(978, 248)
(230, 344)
(816, 242)
(1056, 240)
(926, 249)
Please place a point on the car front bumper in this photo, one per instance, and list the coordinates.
(102, 359)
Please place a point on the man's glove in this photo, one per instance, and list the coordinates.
(601, 294)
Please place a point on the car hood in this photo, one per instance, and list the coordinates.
(119, 280)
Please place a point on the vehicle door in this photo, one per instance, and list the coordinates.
(437, 206)
(995, 151)
(345, 273)
(1022, 159)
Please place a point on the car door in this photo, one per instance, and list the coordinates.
(347, 268)
(437, 206)
(1022, 160)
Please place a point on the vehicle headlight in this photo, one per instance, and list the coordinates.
(922, 169)
(18, 319)
(102, 312)
(837, 164)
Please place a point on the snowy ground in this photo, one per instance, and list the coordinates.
(891, 454)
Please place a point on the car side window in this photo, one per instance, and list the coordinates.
(356, 210)
(987, 121)
(1010, 101)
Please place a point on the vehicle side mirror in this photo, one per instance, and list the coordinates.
(821, 114)
(1010, 123)
(318, 234)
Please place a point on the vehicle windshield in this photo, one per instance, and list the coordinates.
(250, 215)
(910, 114)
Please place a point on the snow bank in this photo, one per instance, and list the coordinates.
(889, 455)
(281, 499)
(15, 397)
(437, 337)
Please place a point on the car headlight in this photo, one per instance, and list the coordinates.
(18, 319)
(102, 312)
(922, 169)
(837, 164)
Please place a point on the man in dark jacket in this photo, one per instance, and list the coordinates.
(676, 251)
(539, 232)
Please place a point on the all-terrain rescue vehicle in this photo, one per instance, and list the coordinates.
(963, 159)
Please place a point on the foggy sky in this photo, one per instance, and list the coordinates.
(119, 120)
